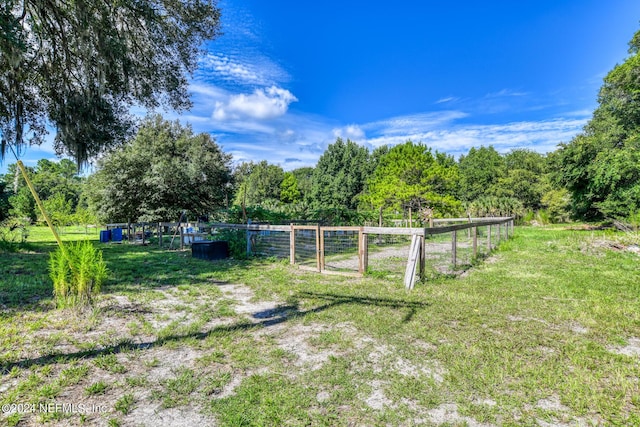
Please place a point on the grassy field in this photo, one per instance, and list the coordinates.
(544, 332)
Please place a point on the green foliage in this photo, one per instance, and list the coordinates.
(5, 192)
(57, 184)
(495, 206)
(125, 404)
(23, 205)
(557, 204)
(634, 220)
(601, 166)
(525, 178)
(340, 175)
(408, 175)
(163, 171)
(13, 234)
(77, 272)
(304, 181)
(234, 215)
(58, 209)
(480, 169)
(237, 240)
(258, 184)
(80, 66)
(289, 192)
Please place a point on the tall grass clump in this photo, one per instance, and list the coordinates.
(77, 272)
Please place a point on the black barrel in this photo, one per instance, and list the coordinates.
(211, 250)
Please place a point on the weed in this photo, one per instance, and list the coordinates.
(125, 403)
(109, 362)
(176, 391)
(96, 388)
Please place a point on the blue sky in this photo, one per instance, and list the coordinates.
(288, 77)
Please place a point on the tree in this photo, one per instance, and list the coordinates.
(164, 170)
(304, 180)
(408, 175)
(258, 184)
(59, 210)
(51, 180)
(289, 192)
(4, 200)
(601, 166)
(479, 170)
(525, 178)
(340, 175)
(79, 66)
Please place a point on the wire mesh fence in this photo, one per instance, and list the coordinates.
(270, 243)
(450, 247)
(340, 249)
(387, 254)
(306, 246)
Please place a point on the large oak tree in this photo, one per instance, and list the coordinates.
(165, 170)
(80, 65)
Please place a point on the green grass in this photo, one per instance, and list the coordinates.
(528, 336)
(96, 388)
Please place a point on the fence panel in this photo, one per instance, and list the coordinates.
(270, 243)
(438, 252)
(341, 249)
(306, 246)
(388, 254)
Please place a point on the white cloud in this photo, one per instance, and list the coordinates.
(230, 69)
(447, 99)
(505, 92)
(413, 123)
(542, 136)
(352, 132)
(262, 104)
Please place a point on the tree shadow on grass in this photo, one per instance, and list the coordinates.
(263, 319)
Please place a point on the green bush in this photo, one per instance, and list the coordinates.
(237, 242)
(77, 272)
(13, 234)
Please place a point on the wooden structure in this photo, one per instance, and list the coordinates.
(315, 236)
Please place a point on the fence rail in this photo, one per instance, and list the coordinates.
(389, 251)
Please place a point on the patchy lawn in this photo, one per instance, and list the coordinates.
(545, 332)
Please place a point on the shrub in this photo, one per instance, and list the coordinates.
(77, 272)
(13, 234)
(237, 242)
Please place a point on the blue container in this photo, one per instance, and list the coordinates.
(116, 234)
(105, 235)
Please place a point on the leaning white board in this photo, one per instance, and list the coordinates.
(412, 262)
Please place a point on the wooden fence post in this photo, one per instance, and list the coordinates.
(248, 238)
(143, 230)
(322, 263)
(454, 244)
(498, 237)
(318, 264)
(489, 238)
(292, 245)
(423, 255)
(361, 255)
(475, 241)
(160, 235)
(365, 252)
